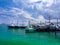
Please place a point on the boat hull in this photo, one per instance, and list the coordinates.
(17, 26)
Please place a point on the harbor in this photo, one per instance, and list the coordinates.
(46, 26)
(15, 36)
(29, 22)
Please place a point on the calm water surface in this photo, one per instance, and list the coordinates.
(19, 37)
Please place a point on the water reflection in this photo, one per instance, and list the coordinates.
(17, 31)
(20, 34)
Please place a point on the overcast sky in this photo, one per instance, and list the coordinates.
(12, 10)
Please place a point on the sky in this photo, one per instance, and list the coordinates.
(24, 10)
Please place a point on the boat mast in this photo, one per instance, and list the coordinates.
(49, 19)
(12, 23)
(17, 20)
(57, 21)
(45, 22)
(29, 22)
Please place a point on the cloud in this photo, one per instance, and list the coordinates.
(42, 6)
(31, 1)
(35, 3)
(27, 9)
(16, 13)
(40, 18)
(52, 13)
(48, 3)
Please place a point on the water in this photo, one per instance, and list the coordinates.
(19, 37)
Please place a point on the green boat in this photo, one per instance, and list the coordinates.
(29, 30)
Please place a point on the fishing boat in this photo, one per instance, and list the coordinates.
(13, 26)
(48, 27)
(17, 25)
